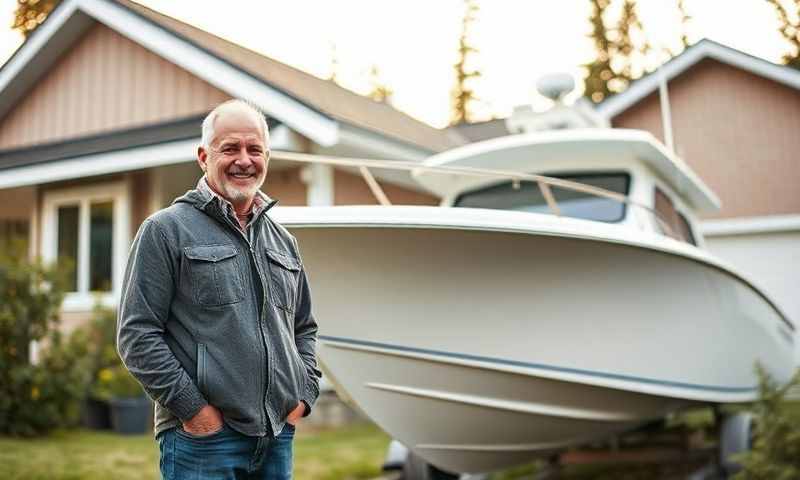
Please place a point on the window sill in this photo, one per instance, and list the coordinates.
(85, 302)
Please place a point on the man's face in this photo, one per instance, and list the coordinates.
(236, 162)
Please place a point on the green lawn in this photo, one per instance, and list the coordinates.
(354, 452)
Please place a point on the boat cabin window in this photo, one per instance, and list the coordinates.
(528, 197)
(676, 226)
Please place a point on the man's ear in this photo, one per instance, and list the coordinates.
(202, 157)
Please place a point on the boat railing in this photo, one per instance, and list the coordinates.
(363, 165)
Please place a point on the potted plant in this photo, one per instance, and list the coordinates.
(130, 407)
(100, 333)
(115, 399)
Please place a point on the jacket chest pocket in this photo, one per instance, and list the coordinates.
(216, 277)
(284, 273)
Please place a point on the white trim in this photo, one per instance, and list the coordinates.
(704, 49)
(100, 164)
(319, 184)
(119, 194)
(751, 225)
(104, 163)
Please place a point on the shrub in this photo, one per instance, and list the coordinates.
(109, 377)
(776, 450)
(36, 398)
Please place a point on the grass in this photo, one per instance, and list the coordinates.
(353, 452)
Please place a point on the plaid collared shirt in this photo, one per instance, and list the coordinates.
(260, 202)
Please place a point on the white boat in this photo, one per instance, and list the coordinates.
(486, 335)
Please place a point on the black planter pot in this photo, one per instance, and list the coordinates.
(96, 414)
(131, 416)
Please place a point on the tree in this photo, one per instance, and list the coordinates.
(334, 64)
(380, 91)
(622, 47)
(620, 50)
(776, 450)
(462, 94)
(790, 30)
(685, 19)
(31, 13)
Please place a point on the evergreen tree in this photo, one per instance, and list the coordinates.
(334, 64)
(462, 94)
(685, 19)
(380, 91)
(620, 50)
(31, 13)
(790, 29)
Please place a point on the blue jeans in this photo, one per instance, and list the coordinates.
(226, 454)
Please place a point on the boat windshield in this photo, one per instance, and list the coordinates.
(527, 196)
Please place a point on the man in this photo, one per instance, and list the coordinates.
(215, 316)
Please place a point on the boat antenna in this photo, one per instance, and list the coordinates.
(666, 113)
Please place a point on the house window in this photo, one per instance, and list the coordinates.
(86, 231)
(68, 219)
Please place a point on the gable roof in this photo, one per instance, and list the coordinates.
(310, 105)
(703, 49)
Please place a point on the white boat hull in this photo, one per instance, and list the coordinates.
(480, 349)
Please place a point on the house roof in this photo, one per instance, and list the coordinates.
(703, 49)
(310, 105)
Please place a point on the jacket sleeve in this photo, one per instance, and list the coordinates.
(305, 337)
(147, 291)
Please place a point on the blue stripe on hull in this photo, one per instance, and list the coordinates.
(516, 363)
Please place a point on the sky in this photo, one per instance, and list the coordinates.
(413, 43)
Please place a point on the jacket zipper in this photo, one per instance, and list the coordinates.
(261, 322)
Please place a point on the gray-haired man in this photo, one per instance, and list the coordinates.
(215, 317)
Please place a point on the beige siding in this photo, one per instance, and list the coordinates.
(738, 131)
(106, 82)
(353, 190)
(141, 191)
(285, 186)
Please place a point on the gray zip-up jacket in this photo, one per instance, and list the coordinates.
(208, 316)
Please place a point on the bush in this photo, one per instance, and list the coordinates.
(776, 450)
(109, 377)
(36, 398)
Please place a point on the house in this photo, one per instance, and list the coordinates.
(100, 114)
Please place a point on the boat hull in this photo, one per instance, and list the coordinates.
(481, 349)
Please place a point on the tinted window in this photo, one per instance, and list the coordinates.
(686, 230)
(528, 197)
(679, 228)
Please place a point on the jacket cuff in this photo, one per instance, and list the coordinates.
(310, 397)
(186, 403)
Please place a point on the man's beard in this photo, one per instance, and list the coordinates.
(241, 194)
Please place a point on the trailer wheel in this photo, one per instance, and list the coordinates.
(415, 468)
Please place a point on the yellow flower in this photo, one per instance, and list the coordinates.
(35, 393)
(106, 375)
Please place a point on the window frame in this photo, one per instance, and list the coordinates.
(560, 175)
(117, 192)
